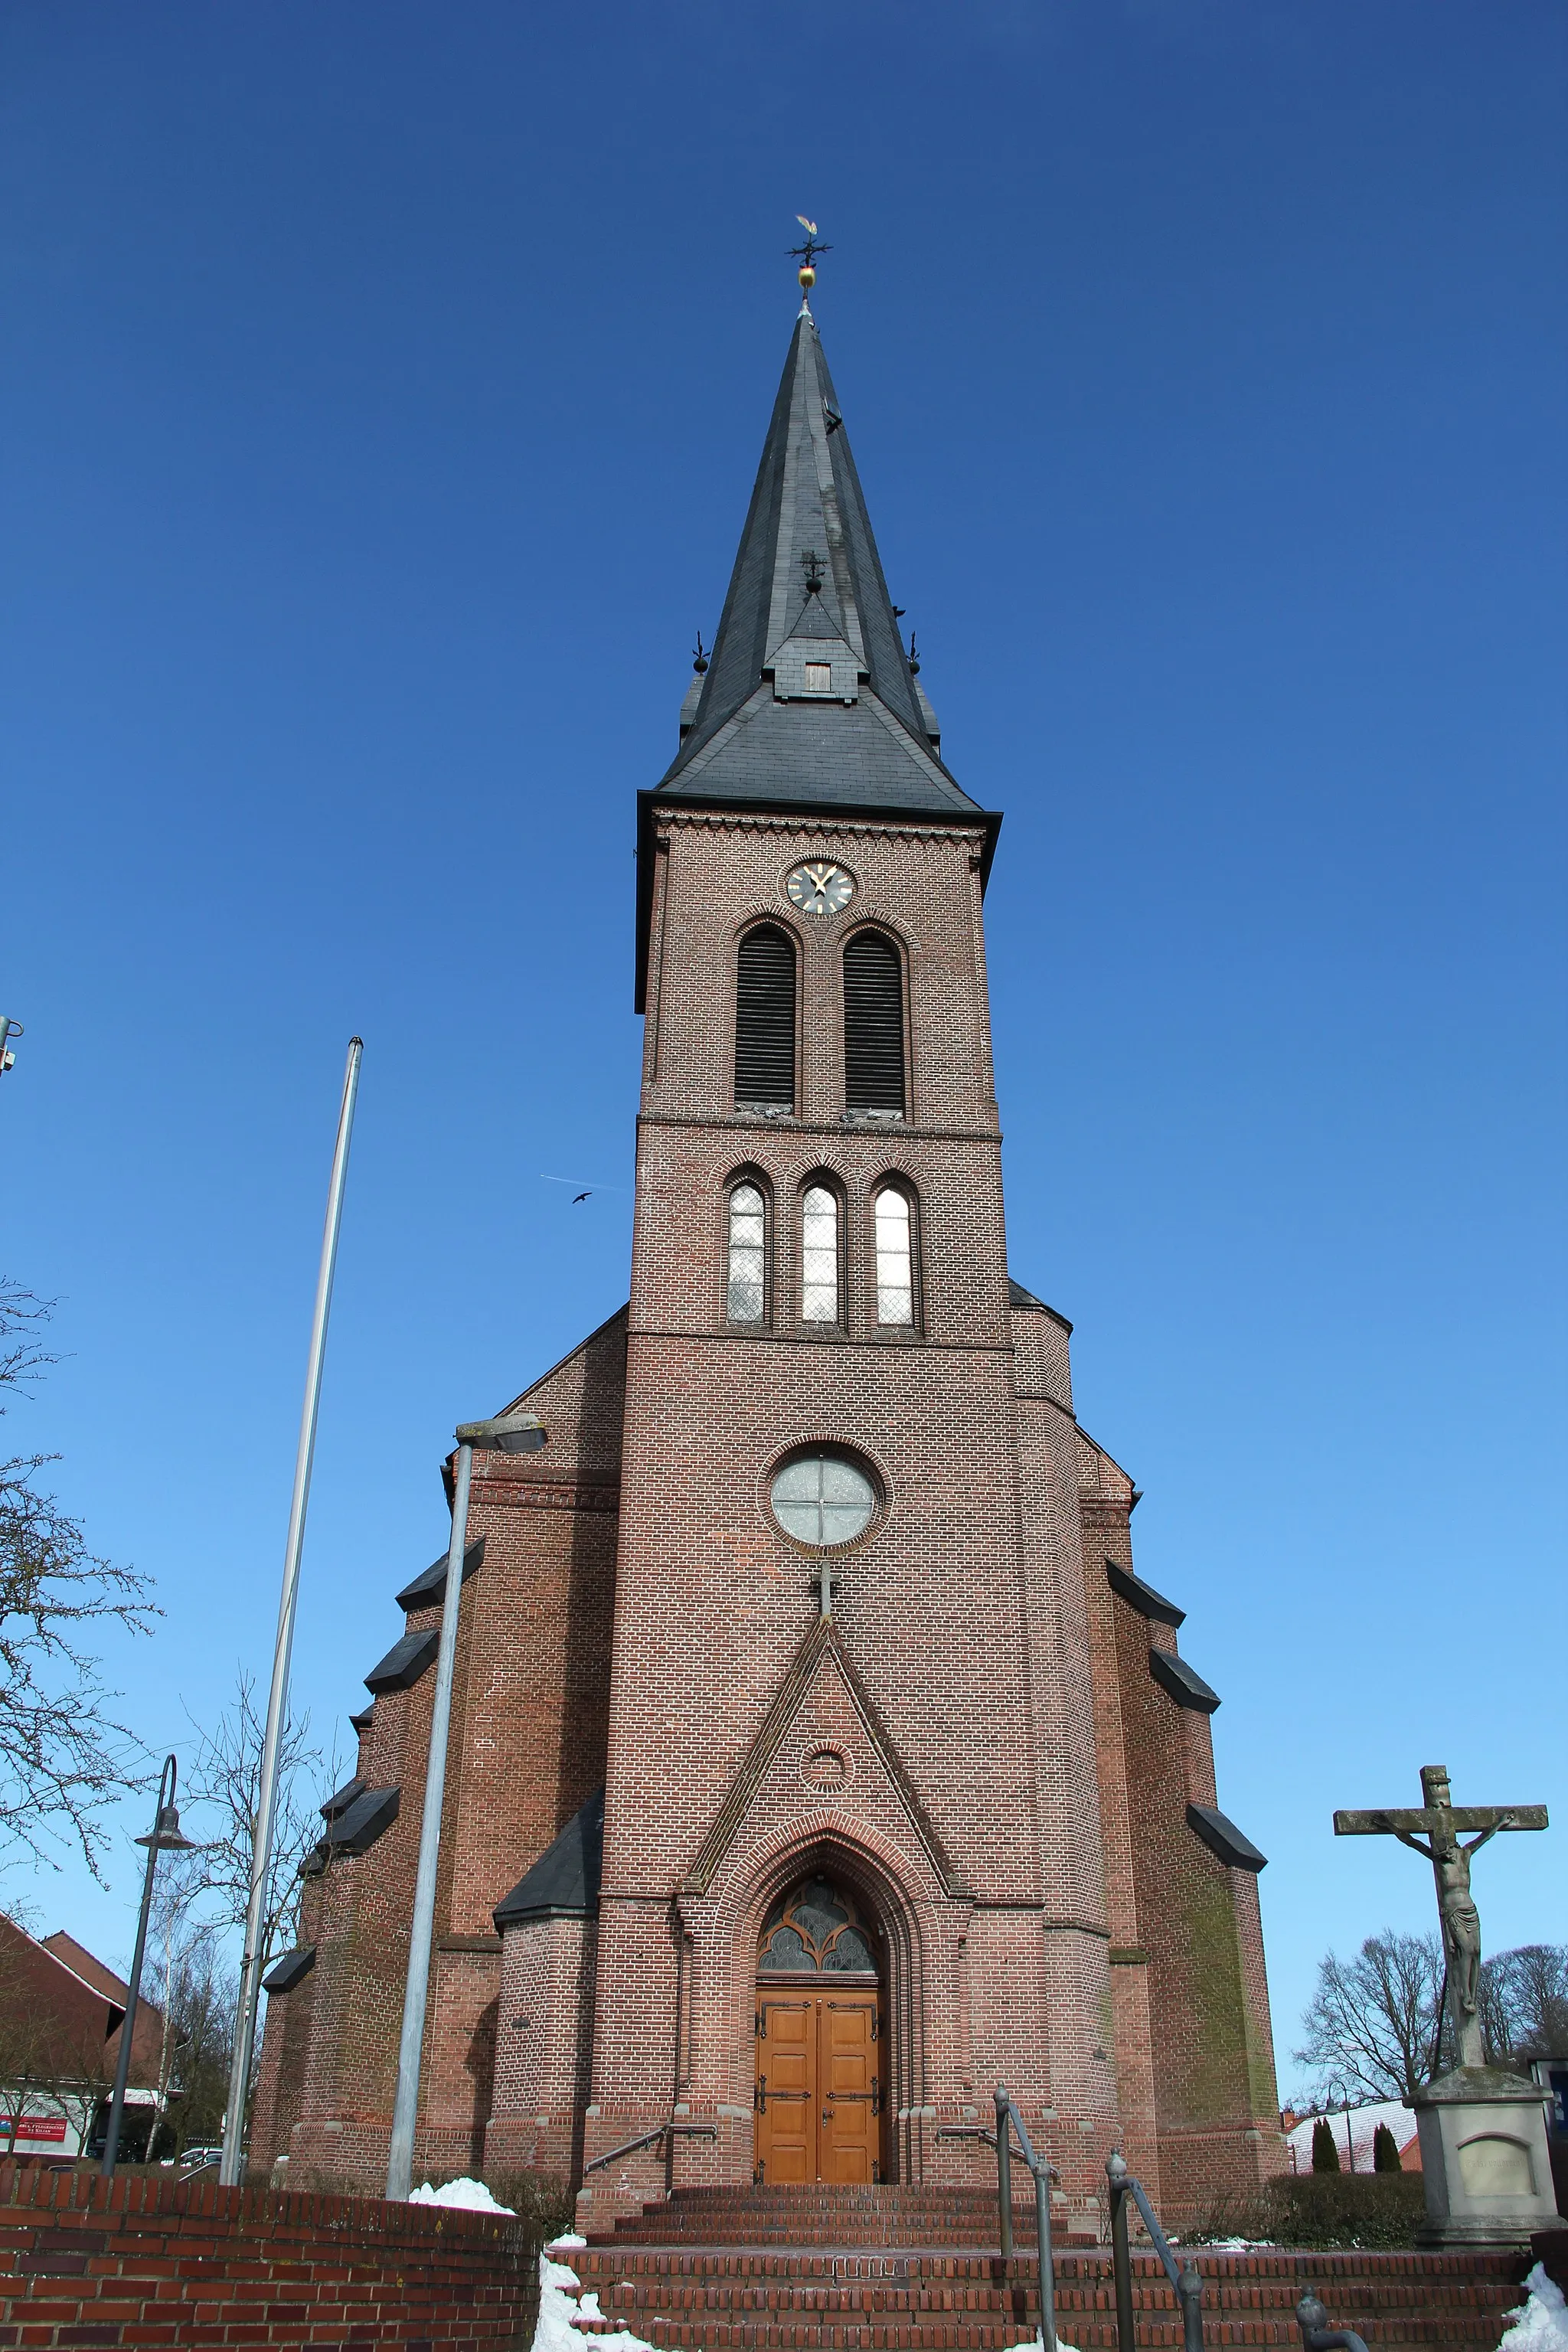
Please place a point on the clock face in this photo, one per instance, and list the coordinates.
(820, 888)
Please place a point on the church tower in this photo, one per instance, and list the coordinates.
(848, 1766)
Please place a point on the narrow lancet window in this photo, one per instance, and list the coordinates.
(764, 1021)
(894, 1259)
(873, 1027)
(819, 1256)
(748, 1253)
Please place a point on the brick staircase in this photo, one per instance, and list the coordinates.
(915, 2270)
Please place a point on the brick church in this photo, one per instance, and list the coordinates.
(818, 1759)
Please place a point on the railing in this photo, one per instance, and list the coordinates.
(671, 2130)
(1187, 2285)
(1316, 2335)
(1008, 2121)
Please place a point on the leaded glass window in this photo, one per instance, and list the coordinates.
(816, 1928)
(822, 1498)
(748, 1253)
(895, 1258)
(819, 1256)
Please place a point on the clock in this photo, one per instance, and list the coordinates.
(820, 888)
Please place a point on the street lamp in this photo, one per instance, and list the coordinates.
(513, 1433)
(8, 1028)
(163, 1837)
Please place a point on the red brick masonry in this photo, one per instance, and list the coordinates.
(146, 2262)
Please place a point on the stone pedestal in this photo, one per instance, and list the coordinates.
(1484, 2158)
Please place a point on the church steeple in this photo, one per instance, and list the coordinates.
(809, 696)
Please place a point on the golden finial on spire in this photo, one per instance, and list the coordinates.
(806, 255)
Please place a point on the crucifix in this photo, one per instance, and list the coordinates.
(1435, 1830)
(824, 1574)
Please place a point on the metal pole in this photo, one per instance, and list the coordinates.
(1121, 2255)
(406, 2106)
(1350, 2144)
(1190, 2295)
(128, 2024)
(278, 1701)
(1004, 2172)
(1042, 2172)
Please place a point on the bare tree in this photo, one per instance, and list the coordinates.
(63, 1758)
(1373, 2023)
(225, 1781)
(1524, 2004)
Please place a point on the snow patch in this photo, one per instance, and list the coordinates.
(560, 2306)
(468, 2196)
(1542, 2324)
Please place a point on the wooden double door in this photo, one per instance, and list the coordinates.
(819, 2084)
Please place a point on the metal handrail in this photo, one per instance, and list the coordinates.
(1186, 2281)
(1009, 2120)
(1316, 2335)
(630, 2146)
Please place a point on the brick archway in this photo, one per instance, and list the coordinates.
(891, 1911)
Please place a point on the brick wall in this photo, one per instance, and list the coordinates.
(142, 2262)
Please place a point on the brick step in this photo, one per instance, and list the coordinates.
(728, 2299)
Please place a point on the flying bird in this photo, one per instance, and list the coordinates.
(581, 1196)
(809, 226)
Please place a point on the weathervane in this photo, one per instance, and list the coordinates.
(806, 255)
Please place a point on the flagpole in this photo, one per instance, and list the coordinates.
(232, 2166)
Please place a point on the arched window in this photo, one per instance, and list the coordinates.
(746, 1292)
(894, 1224)
(764, 1021)
(819, 1256)
(817, 1929)
(873, 1027)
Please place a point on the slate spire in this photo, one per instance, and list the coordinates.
(808, 697)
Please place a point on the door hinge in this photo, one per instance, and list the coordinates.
(760, 2097)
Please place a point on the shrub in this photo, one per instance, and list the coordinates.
(1322, 2210)
(1325, 2155)
(1386, 2151)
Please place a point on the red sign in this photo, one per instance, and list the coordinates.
(34, 2127)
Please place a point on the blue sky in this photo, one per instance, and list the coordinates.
(385, 383)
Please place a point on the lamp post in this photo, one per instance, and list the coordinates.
(8, 1028)
(163, 1837)
(514, 1433)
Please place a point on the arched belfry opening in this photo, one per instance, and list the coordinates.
(821, 2036)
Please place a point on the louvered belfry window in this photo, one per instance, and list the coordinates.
(873, 1027)
(764, 1021)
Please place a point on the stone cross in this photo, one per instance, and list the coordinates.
(1441, 1821)
(826, 1575)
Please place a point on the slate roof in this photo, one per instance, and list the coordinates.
(428, 1589)
(404, 1661)
(564, 1881)
(286, 1973)
(1222, 1837)
(1144, 1597)
(1185, 1684)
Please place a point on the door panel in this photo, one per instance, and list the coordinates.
(786, 2092)
(851, 2133)
(818, 2094)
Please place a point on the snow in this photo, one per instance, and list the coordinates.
(1542, 2324)
(1365, 2122)
(560, 2305)
(468, 2196)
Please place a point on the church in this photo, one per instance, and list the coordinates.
(818, 1757)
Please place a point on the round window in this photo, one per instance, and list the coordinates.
(822, 1498)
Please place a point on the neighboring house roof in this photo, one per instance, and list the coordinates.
(73, 2006)
(1365, 2122)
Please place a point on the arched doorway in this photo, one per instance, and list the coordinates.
(820, 2026)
